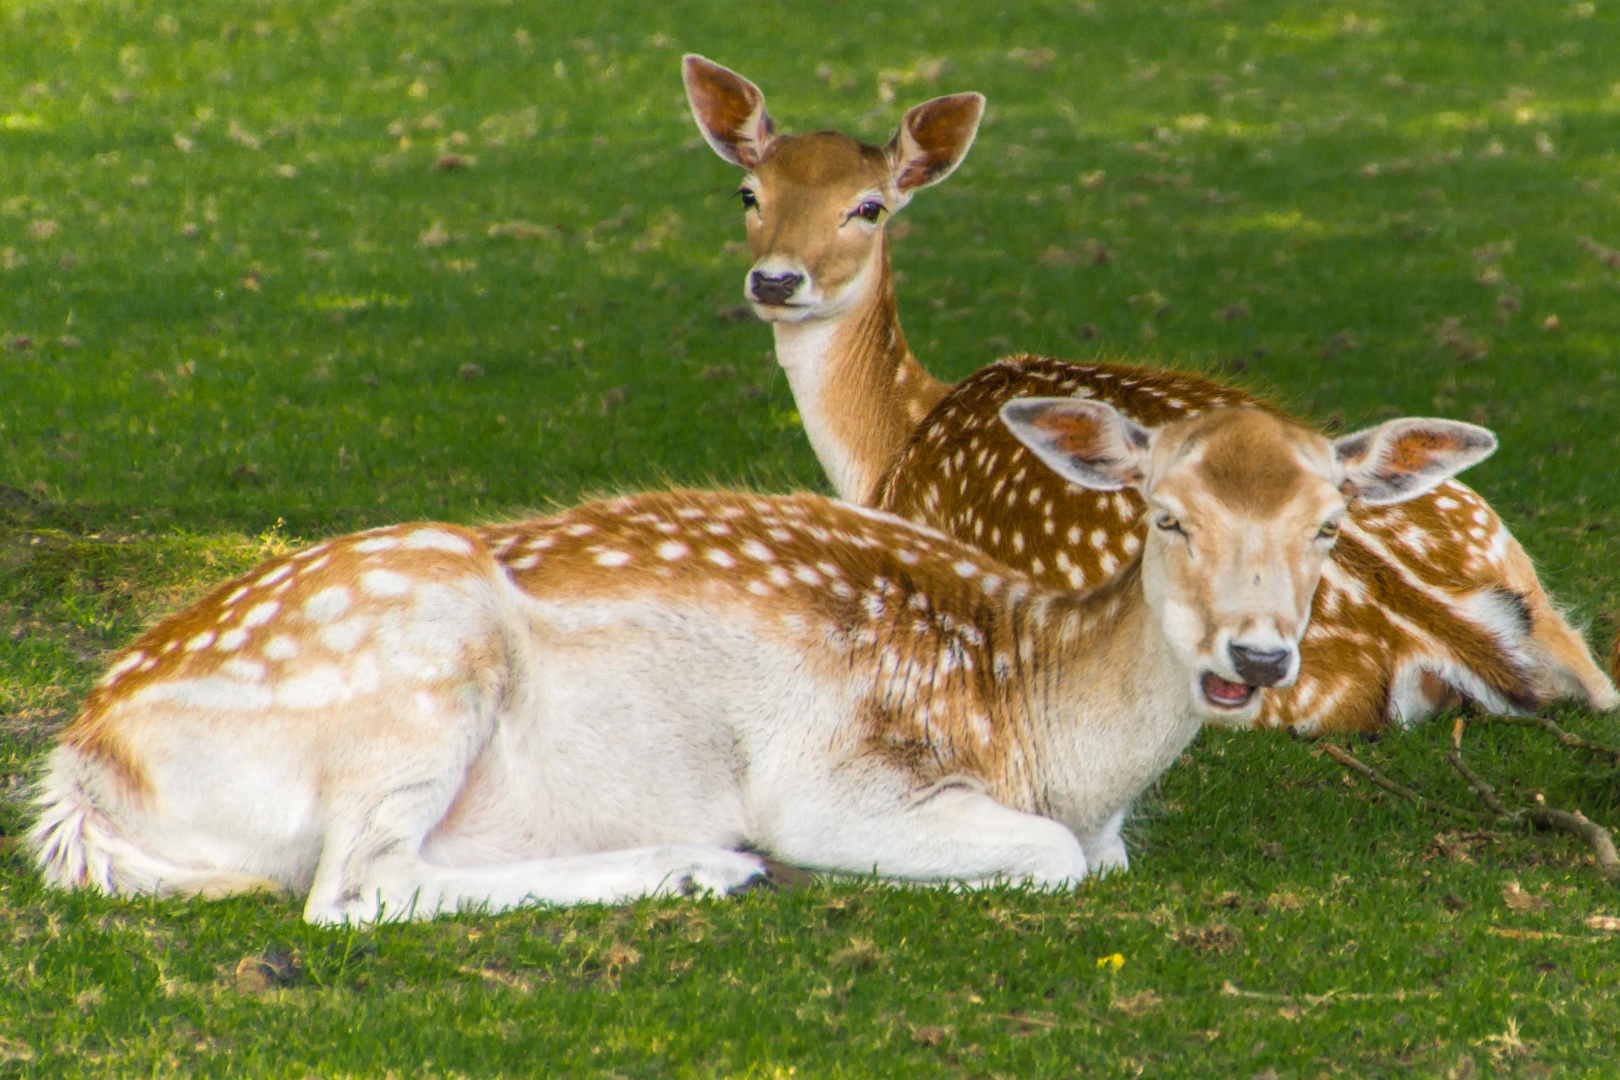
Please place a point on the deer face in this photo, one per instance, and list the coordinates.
(1243, 510)
(816, 205)
(815, 208)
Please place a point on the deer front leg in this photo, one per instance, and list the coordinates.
(1105, 848)
(949, 833)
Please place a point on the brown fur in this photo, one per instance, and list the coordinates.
(964, 473)
(1246, 469)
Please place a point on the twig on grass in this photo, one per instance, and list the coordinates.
(1230, 989)
(1026, 1019)
(1350, 761)
(1541, 816)
(1567, 738)
(1476, 783)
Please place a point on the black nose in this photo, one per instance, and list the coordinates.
(773, 289)
(1258, 668)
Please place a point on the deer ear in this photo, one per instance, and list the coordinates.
(1402, 459)
(730, 111)
(933, 139)
(1087, 442)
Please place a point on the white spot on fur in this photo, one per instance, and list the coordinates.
(779, 576)
(581, 529)
(275, 575)
(261, 614)
(906, 556)
(720, 557)
(231, 640)
(385, 583)
(117, 670)
(528, 562)
(438, 540)
(237, 595)
(326, 605)
(612, 558)
(310, 552)
(242, 668)
(344, 636)
(758, 551)
(377, 543)
(807, 575)
(201, 641)
(670, 550)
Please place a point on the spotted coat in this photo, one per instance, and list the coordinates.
(1422, 601)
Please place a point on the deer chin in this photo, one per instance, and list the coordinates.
(783, 313)
(1224, 700)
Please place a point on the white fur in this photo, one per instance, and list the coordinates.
(468, 738)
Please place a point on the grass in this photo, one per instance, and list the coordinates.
(250, 293)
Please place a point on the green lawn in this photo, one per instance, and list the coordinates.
(270, 271)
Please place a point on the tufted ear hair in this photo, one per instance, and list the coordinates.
(1402, 459)
(1088, 442)
(933, 139)
(730, 111)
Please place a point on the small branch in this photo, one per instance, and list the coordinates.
(1567, 738)
(1608, 862)
(1350, 761)
(1229, 989)
(1540, 815)
(1486, 793)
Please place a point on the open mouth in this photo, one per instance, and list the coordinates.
(1225, 695)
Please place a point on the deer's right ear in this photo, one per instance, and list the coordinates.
(933, 139)
(730, 111)
(1087, 442)
(1402, 459)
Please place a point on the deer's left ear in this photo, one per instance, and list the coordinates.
(1402, 459)
(1085, 441)
(933, 139)
(729, 110)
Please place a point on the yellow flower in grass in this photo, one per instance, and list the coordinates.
(1115, 961)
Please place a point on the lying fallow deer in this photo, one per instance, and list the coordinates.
(609, 702)
(1420, 601)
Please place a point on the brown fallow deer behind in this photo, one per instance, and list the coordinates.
(1422, 603)
(613, 701)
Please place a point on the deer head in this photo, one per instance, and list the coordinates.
(1243, 507)
(816, 205)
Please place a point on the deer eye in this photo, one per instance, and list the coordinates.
(870, 210)
(1166, 522)
(750, 201)
(1328, 531)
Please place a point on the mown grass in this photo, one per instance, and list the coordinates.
(240, 305)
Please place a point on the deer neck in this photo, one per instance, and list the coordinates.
(859, 391)
(1117, 707)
